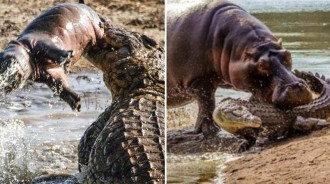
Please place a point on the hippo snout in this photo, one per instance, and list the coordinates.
(297, 87)
(292, 95)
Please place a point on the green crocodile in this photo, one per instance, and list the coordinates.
(257, 119)
(126, 143)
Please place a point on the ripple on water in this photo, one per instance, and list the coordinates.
(196, 168)
(46, 143)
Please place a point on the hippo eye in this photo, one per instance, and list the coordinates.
(253, 56)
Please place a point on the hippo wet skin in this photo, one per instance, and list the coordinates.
(221, 45)
(52, 42)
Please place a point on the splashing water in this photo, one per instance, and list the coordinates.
(10, 79)
(13, 153)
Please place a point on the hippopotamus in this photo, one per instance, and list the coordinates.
(219, 44)
(50, 44)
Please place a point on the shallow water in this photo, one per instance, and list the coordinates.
(198, 168)
(47, 126)
(304, 26)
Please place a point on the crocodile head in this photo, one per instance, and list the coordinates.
(233, 117)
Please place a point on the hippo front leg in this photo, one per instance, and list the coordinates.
(203, 92)
(56, 80)
(50, 51)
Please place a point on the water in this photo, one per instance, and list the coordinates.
(13, 151)
(304, 26)
(41, 132)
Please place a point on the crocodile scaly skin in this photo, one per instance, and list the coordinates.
(126, 143)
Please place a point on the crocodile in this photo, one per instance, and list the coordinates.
(254, 119)
(126, 143)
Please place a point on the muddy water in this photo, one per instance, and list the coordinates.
(40, 133)
(305, 28)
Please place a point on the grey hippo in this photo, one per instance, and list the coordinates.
(219, 44)
(51, 43)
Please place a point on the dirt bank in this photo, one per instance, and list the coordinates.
(304, 159)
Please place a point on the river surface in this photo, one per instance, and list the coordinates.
(39, 133)
(304, 26)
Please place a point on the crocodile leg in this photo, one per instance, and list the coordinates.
(130, 147)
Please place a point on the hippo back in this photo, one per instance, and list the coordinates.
(70, 26)
(207, 36)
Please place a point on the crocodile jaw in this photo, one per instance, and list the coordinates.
(233, 117)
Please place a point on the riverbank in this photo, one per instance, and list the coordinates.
(304, 159)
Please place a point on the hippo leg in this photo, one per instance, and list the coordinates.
(203, 91)
(56, 80)
(50, 51)
(70, 97)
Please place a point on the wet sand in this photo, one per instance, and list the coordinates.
(304, 159)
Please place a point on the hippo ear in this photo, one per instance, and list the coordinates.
(279, 42)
